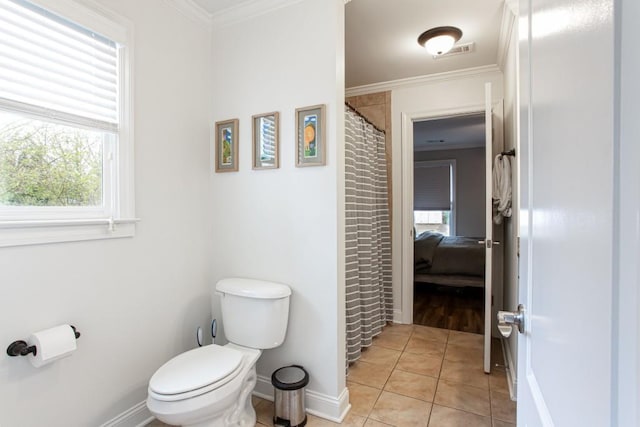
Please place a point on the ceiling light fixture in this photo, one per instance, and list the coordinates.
(439, 40)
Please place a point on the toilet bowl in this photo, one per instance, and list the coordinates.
(190, 390)
(211, 386)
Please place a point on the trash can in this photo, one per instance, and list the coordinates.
(288, 403)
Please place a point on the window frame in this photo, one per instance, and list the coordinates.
(61, 224)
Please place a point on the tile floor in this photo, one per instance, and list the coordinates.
(420, 376)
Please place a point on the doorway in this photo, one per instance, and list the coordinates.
(449, 222)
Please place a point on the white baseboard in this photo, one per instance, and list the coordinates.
(397, 316)
(137, 416)
(511, 369)
(318, 404)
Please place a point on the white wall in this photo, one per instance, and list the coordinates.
(281, 225)
(439, 95)
(470, 188)
(136, 301)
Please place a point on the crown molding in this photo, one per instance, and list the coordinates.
(506, 31)
(247, 10)
(192, 11)
(421, 80)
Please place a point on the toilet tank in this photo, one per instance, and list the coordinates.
(255, 313)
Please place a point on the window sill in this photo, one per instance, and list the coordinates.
(39, 232)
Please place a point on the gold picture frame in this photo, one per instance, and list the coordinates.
(227, 139)
(266, 140)
(311, 149)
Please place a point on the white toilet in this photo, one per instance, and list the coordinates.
(211, 386)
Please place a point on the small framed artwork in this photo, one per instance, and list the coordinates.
(265, 141)
(310, 140)
(227, 146)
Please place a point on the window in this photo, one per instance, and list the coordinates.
(433, 196)
(65, 139)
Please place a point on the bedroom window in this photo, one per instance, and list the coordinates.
(437, 221)
(65, 121)
(434, 196)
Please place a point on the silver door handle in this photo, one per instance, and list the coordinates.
(508, 319)
(491, 242)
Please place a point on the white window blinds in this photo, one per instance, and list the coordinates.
(55, 69)
(432, 187)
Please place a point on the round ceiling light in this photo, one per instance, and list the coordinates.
(439, 40)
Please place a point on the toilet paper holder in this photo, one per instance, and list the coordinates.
(21, 348)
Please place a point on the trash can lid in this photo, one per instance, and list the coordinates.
(292, 377)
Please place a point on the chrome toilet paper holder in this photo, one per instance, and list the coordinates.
(21, 348)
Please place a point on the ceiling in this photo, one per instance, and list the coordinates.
(449, 133)
(381, 37)
(215, 6)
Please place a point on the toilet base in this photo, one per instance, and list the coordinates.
(240, 413)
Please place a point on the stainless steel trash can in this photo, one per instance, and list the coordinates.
(288, 403)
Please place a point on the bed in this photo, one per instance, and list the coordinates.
(448, 260)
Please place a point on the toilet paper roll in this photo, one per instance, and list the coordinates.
(52, 344)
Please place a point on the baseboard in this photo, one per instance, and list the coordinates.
(137, 416)
(318, 404)
(397, 316)
(510, 369)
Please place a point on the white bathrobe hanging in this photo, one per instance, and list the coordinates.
(501, 188)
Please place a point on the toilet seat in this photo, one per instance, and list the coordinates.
(195, 372)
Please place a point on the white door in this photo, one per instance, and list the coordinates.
(566, 274)
(488, 260)
(493, 234)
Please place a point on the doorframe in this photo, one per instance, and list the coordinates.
(406, 207)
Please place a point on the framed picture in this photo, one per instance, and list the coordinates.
(266, 139)
(310, 140)
(227, 146)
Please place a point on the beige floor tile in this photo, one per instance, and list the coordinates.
(498, 423)
(391, 340)
(380, 356)
(255, 400)
(429, 333)
(398, 328)
(442, 416)
(417, 345)
(374, 423)
(466, 398)
(464, 373)
(502, 407)
(362, 398)
(466, 339)
(264, 412)
(369, 374)
(412, 385)
(462, 353)
(349, 421)
(352, 420)
(400, 410)
(498, 381)
(420, 364)
(156, 423)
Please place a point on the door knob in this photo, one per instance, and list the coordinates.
(508, 319)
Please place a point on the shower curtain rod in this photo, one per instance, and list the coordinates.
(363, 117)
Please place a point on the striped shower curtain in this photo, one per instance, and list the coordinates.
(369, 298)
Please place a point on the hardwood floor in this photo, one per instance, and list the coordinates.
(458, 309)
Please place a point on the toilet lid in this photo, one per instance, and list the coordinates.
(196, 369)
